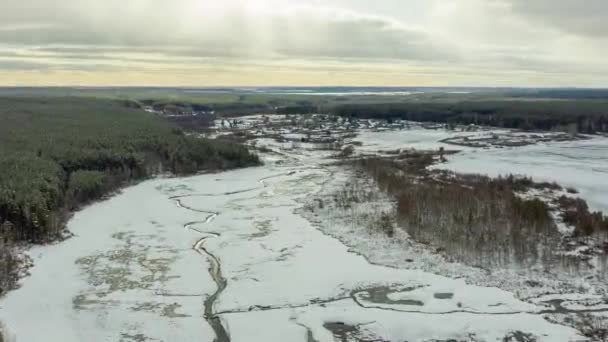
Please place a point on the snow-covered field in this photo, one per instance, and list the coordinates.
(416, 138)
(582, 165)
(229, 257)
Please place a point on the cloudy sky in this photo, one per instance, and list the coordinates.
(304, 42)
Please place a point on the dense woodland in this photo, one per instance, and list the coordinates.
(563, 93)
(582, 116)
(571, 110)
(59, 153)
(477, 219)
(236, 108)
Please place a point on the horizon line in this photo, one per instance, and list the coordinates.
(237, 87)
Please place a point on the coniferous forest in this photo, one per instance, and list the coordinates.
(581, 116)
(57, 154)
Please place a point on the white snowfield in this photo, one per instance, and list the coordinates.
(227, 257)
(582, 165)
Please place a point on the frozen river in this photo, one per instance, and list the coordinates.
(228, 257)
(581, 164)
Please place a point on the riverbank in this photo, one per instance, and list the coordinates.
(59, 154)
(240, 254)
(132, 271)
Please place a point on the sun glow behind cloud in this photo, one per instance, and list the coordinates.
(304, 42)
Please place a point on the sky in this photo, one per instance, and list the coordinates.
(554, 43)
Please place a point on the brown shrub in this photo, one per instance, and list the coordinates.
(575, 212)
(472, 218)
(8, 268)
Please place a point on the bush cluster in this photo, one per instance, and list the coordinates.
(472, 218)
(575, 212)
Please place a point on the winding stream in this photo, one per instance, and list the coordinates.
(215, 268)
(129, 275)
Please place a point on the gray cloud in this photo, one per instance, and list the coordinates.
(588, 17)
(13, 64)
(302, 32)
(488, 36)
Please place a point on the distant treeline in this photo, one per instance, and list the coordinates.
(600, 94)
(59, 153)
(583, 116)
(233, 108)
(298, 109)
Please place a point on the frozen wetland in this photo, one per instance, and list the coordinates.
(229, 257)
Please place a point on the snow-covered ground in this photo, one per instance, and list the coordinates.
(129, 273)
(417, 138)
(582, 165)
(229, 255)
